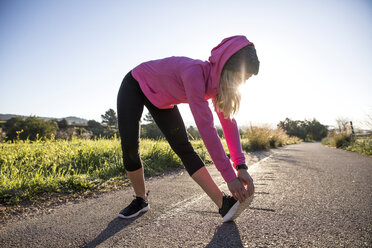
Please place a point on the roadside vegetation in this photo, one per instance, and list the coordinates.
(345, 137)
(260, 138)
(307, 130)
(40, 158)
(30, 169)
(349, 142)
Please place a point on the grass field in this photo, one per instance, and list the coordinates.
(31, 169)
(349, 143)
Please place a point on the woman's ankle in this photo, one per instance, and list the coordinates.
(143, 196)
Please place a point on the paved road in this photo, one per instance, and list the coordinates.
(306, 195)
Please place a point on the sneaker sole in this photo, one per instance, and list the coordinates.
(237, 209)
(145, 209)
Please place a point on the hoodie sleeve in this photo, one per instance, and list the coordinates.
(231, 131)
(195, 92)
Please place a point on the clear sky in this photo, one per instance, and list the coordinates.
(68, 58)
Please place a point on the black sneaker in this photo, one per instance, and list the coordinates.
(231, 208)
(137, 206)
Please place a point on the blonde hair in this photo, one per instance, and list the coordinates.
(228, 98)
(243, 61)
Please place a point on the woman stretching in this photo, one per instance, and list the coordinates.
(162, 84)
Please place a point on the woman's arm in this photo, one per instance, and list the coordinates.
(195, 92)
(231, 132)
(194, 84)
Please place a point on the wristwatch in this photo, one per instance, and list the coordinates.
(241, 166)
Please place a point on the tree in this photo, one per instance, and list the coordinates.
(193, 133)
(94, 124)
(342, 124)
(293, 128)
(30, 128)
(151, 131)
(315, 130)
(110, 118)
(96, 128)
(12, 122)
(220, 132)
(62, 124)
(12, 126)
(306, 130)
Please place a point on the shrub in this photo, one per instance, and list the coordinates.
(337, 140)
(31, 128)
(363, 145)
(341, 139)
(349, 143)
(260, 138)
(278, 138)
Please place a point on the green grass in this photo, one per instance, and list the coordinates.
(31, 169)
(363, 146)
(349, 143)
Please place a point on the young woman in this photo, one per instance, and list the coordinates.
(162, 84)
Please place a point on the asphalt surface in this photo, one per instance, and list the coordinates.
(307, 195)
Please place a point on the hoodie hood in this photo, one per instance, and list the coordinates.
(219, 56)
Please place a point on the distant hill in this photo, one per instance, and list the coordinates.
(70, 119)
(74, 119)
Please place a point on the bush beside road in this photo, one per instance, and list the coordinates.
(343, 140)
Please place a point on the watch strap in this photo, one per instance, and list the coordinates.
(241, 166)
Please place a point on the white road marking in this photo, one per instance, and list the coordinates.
(257, 163)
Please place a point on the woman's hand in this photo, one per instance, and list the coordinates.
(246, 180)
(237, 190)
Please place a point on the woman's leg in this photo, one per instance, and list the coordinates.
(130, 105)
(204, 179)
(171, 124)
(137, 180)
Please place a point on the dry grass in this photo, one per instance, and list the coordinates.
(259, 138)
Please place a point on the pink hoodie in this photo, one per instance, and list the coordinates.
(170, 81)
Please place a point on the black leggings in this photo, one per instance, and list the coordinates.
(130, 103)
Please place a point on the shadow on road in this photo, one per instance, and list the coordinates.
(290, 160)
(226, 235)
(115, 226)
(258, 155)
